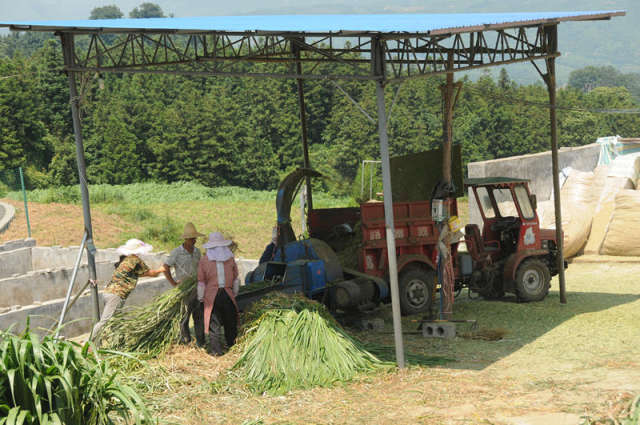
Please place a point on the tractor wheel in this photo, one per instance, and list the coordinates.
(532, 280)
(416, 290)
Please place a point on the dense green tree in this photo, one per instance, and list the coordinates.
(106, 12)
(147, 10)
(246, 132)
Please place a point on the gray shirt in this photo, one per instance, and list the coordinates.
(183, 263)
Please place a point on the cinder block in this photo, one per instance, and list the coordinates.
(439, 330)
(376, 324)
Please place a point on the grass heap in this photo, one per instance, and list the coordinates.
(291, 342)
(149, 329)
(59, 382)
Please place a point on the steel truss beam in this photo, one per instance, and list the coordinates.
(224, 54)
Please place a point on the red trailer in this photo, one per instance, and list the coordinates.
(511, 254)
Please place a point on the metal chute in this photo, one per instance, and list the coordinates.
(287, 192)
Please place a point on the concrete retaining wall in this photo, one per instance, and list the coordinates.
(79, 318)
(54, 257)
(15, 262)
(535, 167)
(49, 284)
(7, 213)
(20, 243)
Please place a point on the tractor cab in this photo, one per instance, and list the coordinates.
(508, 212)
(511, 253)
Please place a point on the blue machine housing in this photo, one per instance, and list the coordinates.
(299, 267)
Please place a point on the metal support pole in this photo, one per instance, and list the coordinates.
(303, 122)
(446, 283)
(63, 313)
(550, 79)
(447, 123)
(69, 60)
(377, 55)
(26, 207)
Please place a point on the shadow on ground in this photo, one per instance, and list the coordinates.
(523, 323)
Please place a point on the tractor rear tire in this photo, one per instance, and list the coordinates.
(532, 280)
(416, 290)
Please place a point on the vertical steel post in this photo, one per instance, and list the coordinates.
(377, 58)
(69, 60)
(550, 79)
(447, 122)
(26, 207)
(303, 122)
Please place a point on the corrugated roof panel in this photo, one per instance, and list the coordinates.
(388, 23)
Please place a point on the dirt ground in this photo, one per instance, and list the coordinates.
(62, 224)
(557, 364)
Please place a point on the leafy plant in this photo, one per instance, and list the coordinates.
(151, 328)
(60, 382)
(300, 347)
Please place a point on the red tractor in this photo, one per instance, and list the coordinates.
(511, 254)
(344, 262)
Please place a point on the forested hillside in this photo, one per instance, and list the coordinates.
(245, 132)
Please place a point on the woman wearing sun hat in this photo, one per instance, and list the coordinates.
(218, 285)
(124, 279)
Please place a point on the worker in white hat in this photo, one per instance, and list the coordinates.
(128, 270)
(218, 285)
(184, 260)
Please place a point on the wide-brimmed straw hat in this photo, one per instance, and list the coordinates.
(190, 232)
(134, 246)
(215, 240)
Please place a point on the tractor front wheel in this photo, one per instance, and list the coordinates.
(416, 290)
(532, 280)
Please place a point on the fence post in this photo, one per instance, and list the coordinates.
(24, 196)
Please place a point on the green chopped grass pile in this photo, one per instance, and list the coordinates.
(295, 344)
(149, 329)
(60, 382)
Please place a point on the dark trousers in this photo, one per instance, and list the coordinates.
(226, 314)
(193, 309)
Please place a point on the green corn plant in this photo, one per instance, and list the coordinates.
(51, 381)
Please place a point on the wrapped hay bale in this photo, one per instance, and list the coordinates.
(577, 211)
(546, 214)
(623, 232)
(612, 186)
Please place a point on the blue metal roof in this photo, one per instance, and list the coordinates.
(388, 23)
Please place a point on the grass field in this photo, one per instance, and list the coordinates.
(156, 213)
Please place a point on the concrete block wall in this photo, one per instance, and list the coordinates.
(535, 167)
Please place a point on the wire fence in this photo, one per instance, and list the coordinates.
(12, 180)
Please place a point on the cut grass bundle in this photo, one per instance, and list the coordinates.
(59, 382)
(151, 328)
(297, 347)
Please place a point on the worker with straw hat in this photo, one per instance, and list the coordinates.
(184, 260)
(128, 270)
(218, 285)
